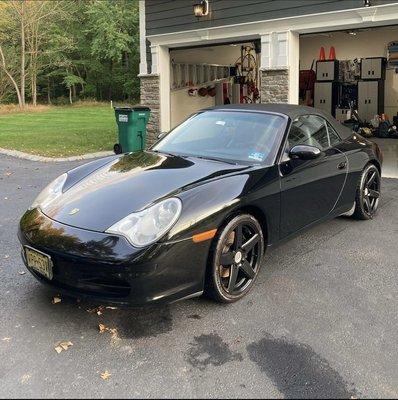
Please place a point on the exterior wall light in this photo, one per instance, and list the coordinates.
(201, 9)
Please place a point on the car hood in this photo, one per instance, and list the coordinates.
(128, 184)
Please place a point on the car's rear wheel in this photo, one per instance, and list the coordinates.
(368, 193)
(235, 259)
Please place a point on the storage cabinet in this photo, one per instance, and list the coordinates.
(342, 114)
(327, 70)
(370, 99)
(326, 96)
(373, 68)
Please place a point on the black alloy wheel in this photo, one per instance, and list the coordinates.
(368, 193)
(236, 259)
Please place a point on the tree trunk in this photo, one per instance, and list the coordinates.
(34, 86)
(35, 60)
(110, 90)
(70, 95)
(48, 91)
(3, 66)
(23, 53)
(34, 82)
(82, 82)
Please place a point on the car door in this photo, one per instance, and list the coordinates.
(309, 188)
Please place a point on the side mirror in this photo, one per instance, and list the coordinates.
(161, 135)
(304, 152)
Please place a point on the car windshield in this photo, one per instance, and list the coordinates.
(248, 137)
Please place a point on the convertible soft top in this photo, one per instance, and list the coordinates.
(290, 110)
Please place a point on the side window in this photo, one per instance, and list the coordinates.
(333, 135)
(309, 130)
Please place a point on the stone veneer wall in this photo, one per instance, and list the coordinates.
(150, 96)
(275, 86)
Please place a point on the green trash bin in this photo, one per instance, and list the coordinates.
(131, 122)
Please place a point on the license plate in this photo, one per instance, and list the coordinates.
(39, 261)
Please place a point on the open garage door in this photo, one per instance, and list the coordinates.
(353, 75)
(214, 75)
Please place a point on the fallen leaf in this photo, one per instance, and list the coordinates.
(113, 331)
(105, 375)
(6, 339)
(6, 256)
(56, 300)
(8, 173)
(21, 272)
(99, 312)
(95, 310)
(63, 346)
(25, 378)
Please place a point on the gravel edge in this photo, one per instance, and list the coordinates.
(33, 157)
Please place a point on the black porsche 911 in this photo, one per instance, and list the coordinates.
(196, 213)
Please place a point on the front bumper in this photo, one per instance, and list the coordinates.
(107, 268)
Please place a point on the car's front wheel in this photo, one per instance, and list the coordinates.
(235, 259)
(368, 193)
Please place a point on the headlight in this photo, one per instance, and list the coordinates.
(50, 193)
(147, 226)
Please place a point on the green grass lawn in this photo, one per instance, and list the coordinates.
(60, 131)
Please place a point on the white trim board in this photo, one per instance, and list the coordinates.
(143, 63)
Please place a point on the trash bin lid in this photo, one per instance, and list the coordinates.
(138, 107)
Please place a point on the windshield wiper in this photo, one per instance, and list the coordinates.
(164, 152)
(221, 160)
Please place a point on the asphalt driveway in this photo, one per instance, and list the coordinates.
(321, 322)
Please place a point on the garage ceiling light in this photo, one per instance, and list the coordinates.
(201, 9)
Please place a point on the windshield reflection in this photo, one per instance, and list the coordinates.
(248, 137)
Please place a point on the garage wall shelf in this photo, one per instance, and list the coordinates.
(392, 54)
(184, 75)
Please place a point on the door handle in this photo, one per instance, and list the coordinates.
(342, 165)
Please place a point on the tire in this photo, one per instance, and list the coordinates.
(241, 259)
(368, 193)
(117, 148)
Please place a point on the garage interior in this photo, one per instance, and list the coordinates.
(213, 75)
(351, 74)
(358, 84)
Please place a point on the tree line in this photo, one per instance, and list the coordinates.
(54, 51)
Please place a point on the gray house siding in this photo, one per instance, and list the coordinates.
(166, 16)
